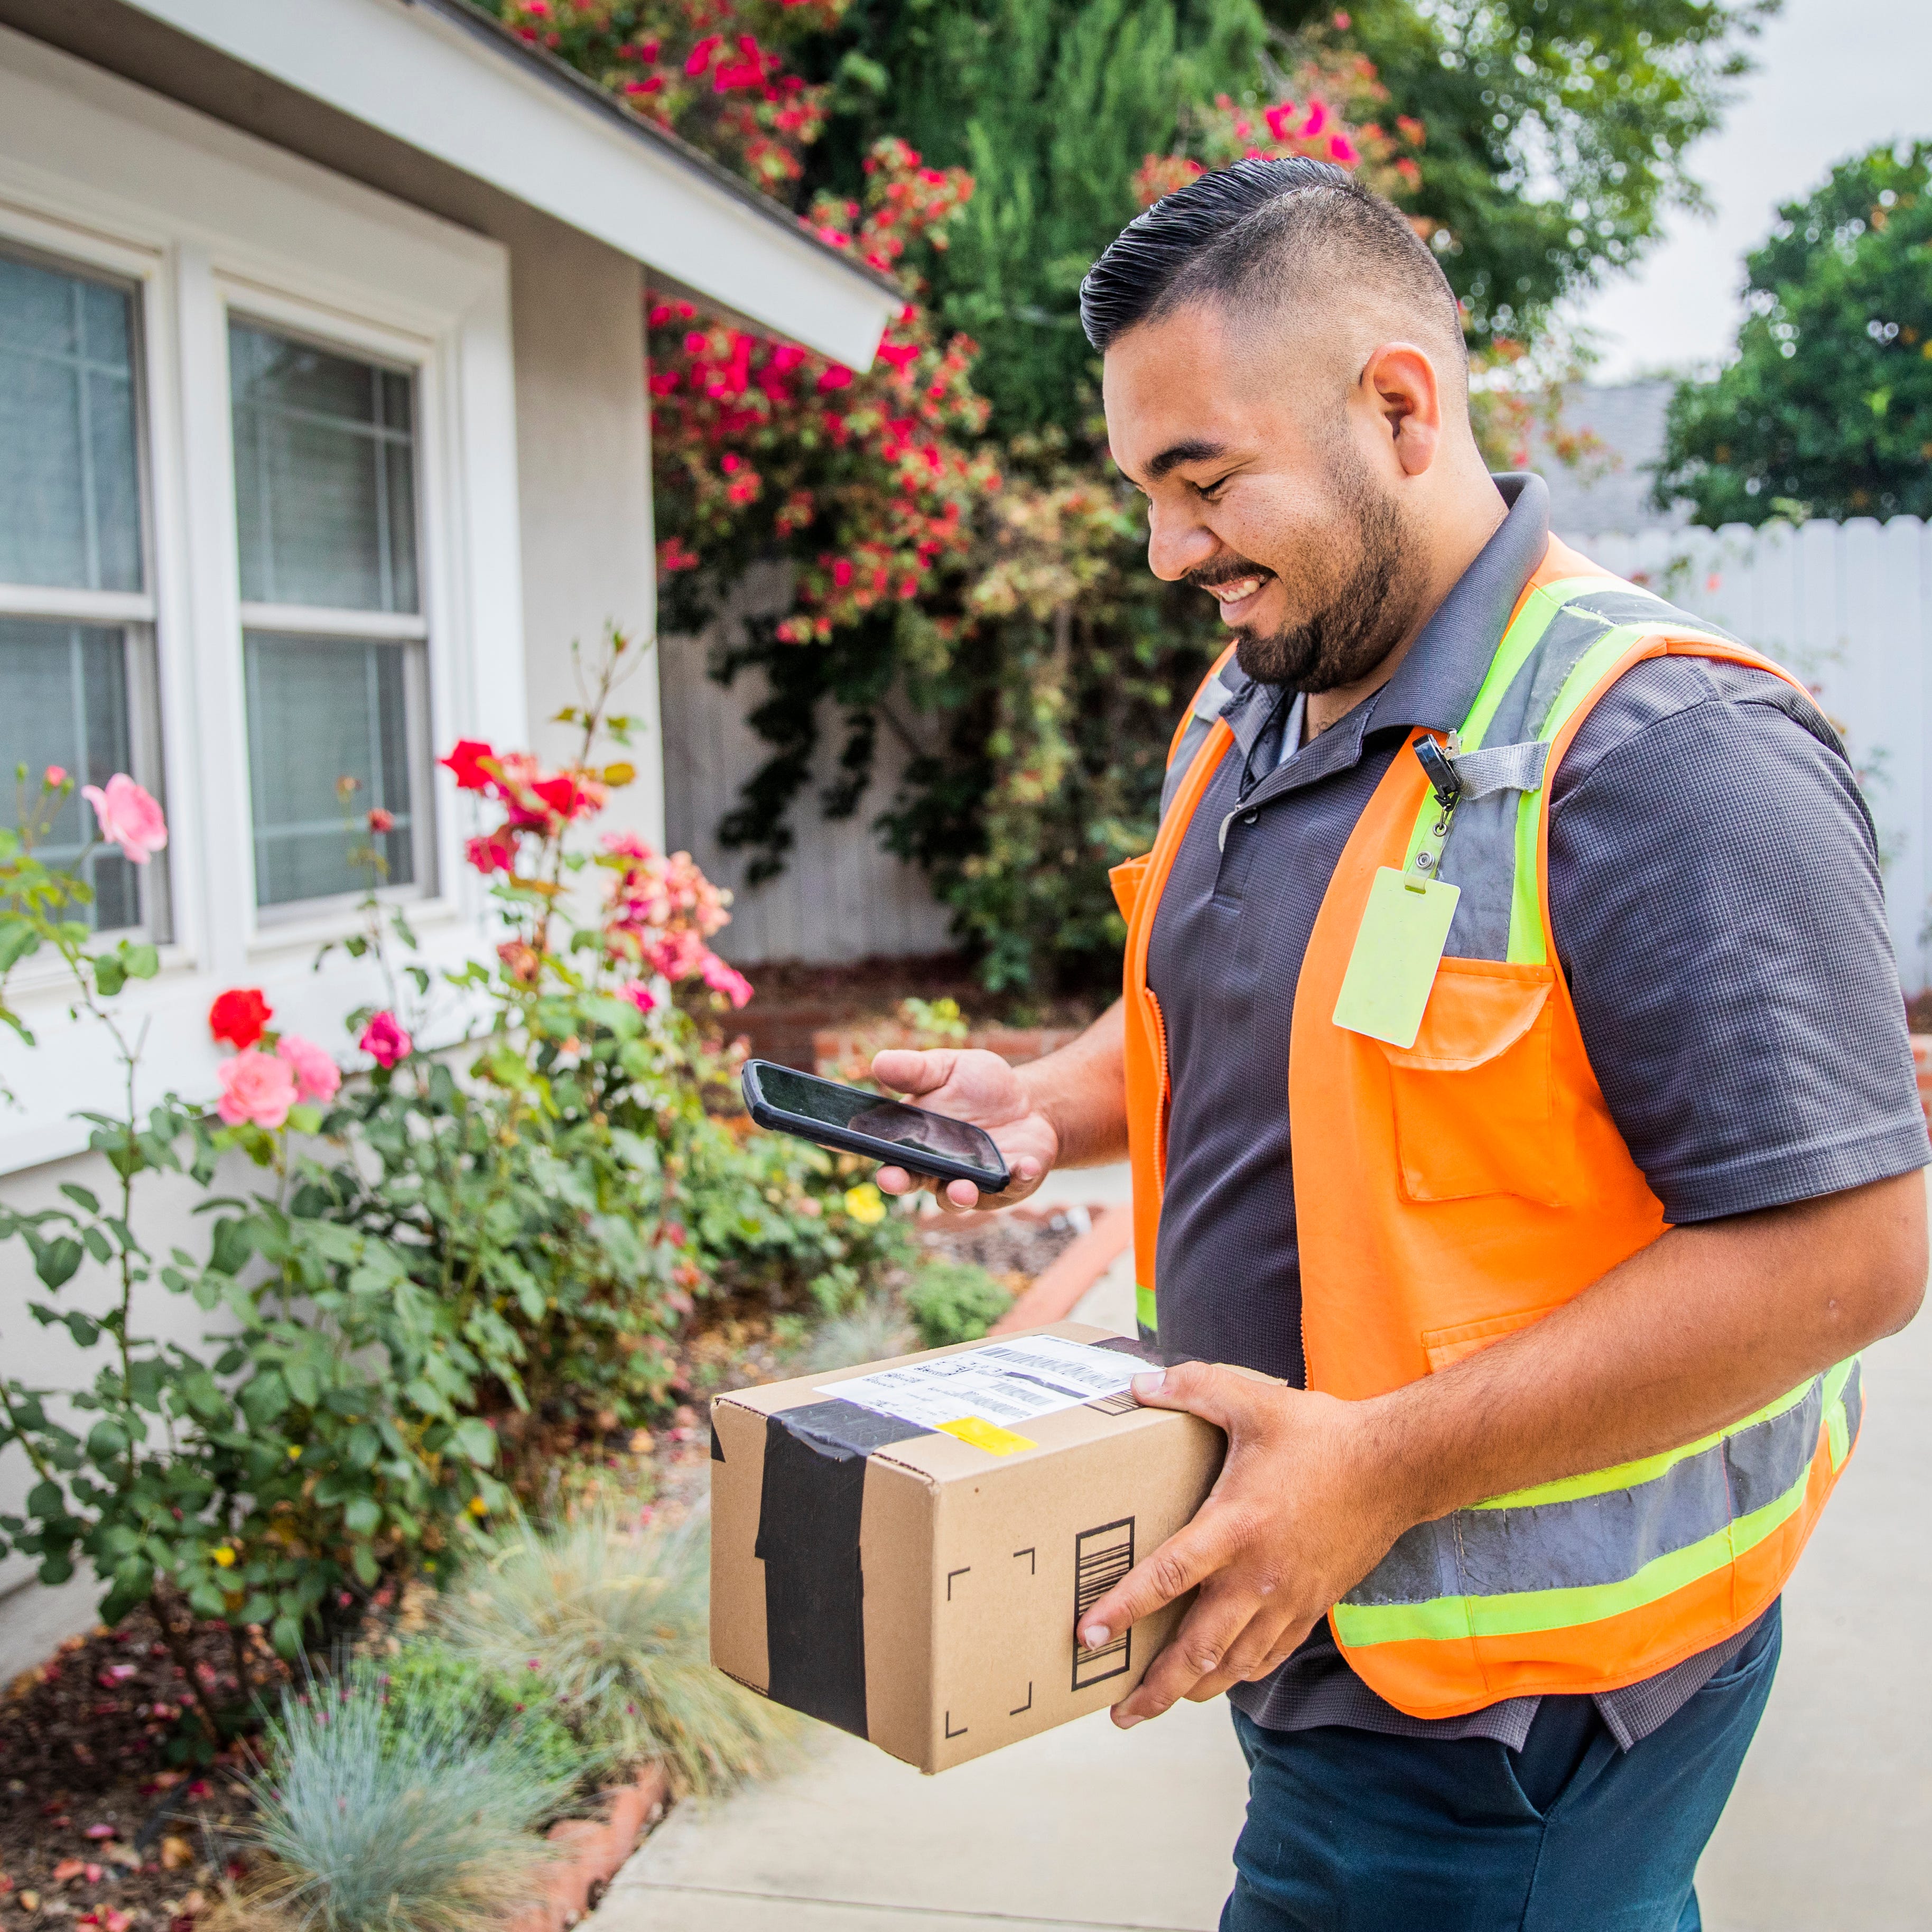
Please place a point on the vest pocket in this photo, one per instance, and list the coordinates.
(1472, 1096)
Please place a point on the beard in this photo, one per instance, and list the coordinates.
(1355, 612)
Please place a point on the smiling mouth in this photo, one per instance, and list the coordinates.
(1236, 595)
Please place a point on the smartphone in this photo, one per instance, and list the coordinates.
(854, 1121)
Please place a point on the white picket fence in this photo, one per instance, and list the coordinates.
(1848, 607)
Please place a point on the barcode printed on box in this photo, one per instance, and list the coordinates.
(1101, 1558)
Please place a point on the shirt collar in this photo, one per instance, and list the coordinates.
(1436, 683)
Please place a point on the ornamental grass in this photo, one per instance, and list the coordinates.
(613, 1623)
(365, 1824)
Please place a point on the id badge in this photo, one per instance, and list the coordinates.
(1398, 946)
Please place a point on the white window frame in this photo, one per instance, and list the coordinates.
(307, 922)
(203, 219)
(136, 271)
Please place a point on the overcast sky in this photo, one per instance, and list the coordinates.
(1833, 77)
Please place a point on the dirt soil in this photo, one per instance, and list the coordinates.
(97, 1829)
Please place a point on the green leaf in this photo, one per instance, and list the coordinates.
(141, 961)
(362, 1560)
(474, 1438)
(363, 1517)
(305, 1119)
(265, 1397)
(56, 1569)
(109, 974)
(45, 1499)
(81, 1197)
(285, 1634)
(54, 1262)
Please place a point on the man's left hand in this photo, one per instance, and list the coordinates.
(1302, 1510)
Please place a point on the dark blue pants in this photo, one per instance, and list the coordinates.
(1353, 1832)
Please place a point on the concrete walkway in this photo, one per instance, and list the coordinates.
(1090, 1828)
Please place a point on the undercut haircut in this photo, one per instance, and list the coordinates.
(1260, 235)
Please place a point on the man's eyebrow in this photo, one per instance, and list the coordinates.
(1178, 453)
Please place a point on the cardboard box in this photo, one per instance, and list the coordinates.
(902, 1549)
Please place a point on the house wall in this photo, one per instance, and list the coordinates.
(574, 471)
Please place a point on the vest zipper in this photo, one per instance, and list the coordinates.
(1160, 1116)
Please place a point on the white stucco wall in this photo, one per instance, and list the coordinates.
(582, 485)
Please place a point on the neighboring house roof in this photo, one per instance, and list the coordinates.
(1600, 495)
(445, 79)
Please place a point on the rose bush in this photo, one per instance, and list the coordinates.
(476, 1254)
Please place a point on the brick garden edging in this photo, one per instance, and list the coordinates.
(596, 1849)
(1056, 1292)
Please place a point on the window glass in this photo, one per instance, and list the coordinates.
(70, 493)
(65, 691)
(325, 475)
(321, 709)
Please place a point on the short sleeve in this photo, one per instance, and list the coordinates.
(1718, 909)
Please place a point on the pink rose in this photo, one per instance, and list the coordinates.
(316, 1073)
(639, 995)
(385, 1041)
(127, 816)
(256, 1086)
(56, 777)
(726, 979)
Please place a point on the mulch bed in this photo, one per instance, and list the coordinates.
(98, 1829)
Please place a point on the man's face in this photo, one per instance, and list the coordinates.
(1259, 466)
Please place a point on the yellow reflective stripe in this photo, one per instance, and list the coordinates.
(1525, 933)
(1526, 1612)
(1143, 1307)
(1838, 1431)
(1539, 612)
(1647, 1468)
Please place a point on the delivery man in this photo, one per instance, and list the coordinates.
(1512, 1064)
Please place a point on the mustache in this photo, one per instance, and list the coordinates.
(1210, 576)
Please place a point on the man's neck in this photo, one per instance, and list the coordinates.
(1454, 544)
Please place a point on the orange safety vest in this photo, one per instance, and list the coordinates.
(1457, 1189)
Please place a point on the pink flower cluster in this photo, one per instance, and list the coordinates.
(660, 914)
(125, 814)
(272, 1072)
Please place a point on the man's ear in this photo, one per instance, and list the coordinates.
(1402, 387)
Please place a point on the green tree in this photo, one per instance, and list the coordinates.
(1053, 105)
(1827, 409)
(1558, 130)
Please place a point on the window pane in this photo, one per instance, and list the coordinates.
(325, 460)
(69, 494)
(321, 709)
(63, 701)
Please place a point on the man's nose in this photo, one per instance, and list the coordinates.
(1176, 543)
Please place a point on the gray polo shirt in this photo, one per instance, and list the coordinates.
(1715, 890)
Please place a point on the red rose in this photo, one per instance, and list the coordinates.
(465, 761)
(239, 1016)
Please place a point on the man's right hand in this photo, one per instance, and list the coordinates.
(971, 1085)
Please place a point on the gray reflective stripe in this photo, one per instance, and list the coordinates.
(1621, 603)
(1209, 701)
(1852, 1396)
(1517, 768)
(1589, 1541)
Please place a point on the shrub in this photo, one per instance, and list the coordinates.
(615, 1625)
(427, 1826)
(428, 1685)
(955, 1301)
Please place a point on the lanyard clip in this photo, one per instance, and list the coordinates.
(1443, 781)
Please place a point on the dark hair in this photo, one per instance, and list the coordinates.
(1249, 231)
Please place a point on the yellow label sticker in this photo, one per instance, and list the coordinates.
(987, 1435)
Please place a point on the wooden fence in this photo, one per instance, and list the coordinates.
(1847, 606)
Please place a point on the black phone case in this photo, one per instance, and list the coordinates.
(846, 1142)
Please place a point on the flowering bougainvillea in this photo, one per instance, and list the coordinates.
(707, 69)
(870, 481)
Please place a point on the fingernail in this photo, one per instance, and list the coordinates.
(1147, 1385)
(1027, 1170)
(1095, 1636)
(1127, 1720)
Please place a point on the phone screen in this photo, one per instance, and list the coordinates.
(832, 1106)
